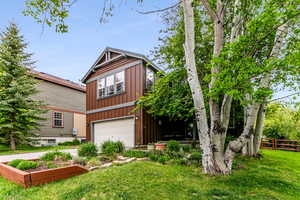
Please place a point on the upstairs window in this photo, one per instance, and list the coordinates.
(111, 85)
(120, 82)
(149, 78)
(58, 121)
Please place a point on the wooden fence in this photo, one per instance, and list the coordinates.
(280, 144)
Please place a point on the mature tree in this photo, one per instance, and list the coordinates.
(19, 113)
(255, 46)
(246, 60)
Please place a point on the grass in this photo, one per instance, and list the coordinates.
(275, 176)
(4, 150)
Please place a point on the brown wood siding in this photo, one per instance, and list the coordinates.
(133, 90)
(133, 87)
(150, 129)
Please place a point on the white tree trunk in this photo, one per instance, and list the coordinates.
(236, 145)
(197, 94)
(259, 129)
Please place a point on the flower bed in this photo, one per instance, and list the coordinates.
(28, 178)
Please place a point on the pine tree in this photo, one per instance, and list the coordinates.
(19, 112)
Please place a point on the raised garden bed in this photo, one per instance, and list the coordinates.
(36, 177)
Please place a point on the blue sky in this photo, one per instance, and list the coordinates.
(71, 54)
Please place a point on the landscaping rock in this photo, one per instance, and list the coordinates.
(121, 162)
(142, 159)
(122, 158)
(94, 168)
(106, 165)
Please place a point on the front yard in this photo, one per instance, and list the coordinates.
(275, 176)
(4, 150)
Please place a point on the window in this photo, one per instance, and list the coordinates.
(149, 78)
(111, 85)
(51, 141)
(119, 82)
(101, 86)
(58, 120)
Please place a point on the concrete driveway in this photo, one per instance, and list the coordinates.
(35, 155)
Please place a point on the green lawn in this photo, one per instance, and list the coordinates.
(4, 150)
(275, 176)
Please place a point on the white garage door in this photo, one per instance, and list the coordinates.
(116, 130)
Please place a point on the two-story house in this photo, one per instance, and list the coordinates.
(113, 85)
(65, 102)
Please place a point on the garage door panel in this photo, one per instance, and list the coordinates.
(117, 130)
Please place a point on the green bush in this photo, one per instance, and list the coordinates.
(87, 150)
(70, 143)
(110, 147)
(163, 159)
(25, 165)
(173, 145)
(175, 155)
(186, 148)
(51, 165)
(196, 156)
(93, 162)
(15, 163)
(180, 161)
(79, 161)
(54, 155)
(153, 157)
(135, 153)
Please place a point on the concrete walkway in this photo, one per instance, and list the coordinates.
(35, 155)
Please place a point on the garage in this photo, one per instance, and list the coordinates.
(116, 130)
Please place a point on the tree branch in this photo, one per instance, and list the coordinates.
(158, 10)
(210, 11)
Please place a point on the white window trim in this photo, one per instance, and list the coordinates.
(115, 85)
(53, 119)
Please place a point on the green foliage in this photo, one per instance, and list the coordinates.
(15, 163)
(19, 112)
(93, 162)
(56, 155)
(135, 153)
(110, 147)
(173, 145)
(51, 165)
(282, 122)
(25, 165)
(79, 161)
(87, 150)
(196, 156)
(75, 142)
(163, 159)
(186, 147)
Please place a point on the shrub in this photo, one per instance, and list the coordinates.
(25, 165)
(87, 150)
(51, 165)
(175, 155)
(79, 161)
(70, 143)
(196, 156)
(55, 155)
(110, 147)
(94, 162)
(186, 148)
(180, 161)
(173, 145)
(135, 153)
(163, 159)
(15, 163)
(153, 157)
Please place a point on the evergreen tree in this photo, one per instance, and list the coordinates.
(19, 112)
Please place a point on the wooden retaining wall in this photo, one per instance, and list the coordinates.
(280, 144)
(28, 179)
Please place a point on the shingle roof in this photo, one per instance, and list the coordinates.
(122, 53)
(58, 80)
